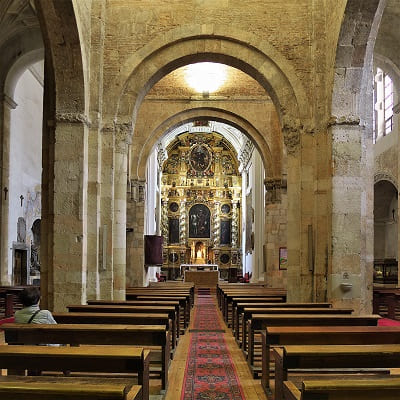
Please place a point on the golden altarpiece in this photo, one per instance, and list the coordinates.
(201, 192)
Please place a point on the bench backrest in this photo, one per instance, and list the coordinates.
(25, 389)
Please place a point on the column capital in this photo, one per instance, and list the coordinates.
(123, 136)
(275, 188)
(137, 190)
(72, 118)
(291, 131)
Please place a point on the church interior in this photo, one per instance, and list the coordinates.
(228, 141)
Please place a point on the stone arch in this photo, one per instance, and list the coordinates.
(384, 176)
(18, 52)
(186, 45)
(206, 113)
(63, 53)
(353, 59)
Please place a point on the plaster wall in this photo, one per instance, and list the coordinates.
(25, 155)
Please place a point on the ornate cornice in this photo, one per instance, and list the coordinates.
(245, 153)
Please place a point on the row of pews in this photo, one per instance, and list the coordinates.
(311, 350)
(136, 336)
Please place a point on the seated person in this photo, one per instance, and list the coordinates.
(31, 313)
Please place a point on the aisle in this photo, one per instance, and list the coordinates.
(210, 372)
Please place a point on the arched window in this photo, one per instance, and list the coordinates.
(383, 99)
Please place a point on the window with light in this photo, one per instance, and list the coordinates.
(383, 99)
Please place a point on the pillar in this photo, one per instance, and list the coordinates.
(6, 106)
(275, 231)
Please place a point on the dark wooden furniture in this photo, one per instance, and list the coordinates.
(309, 335)
(111, 359)
(25, 388)
(259, 322)
(334, 389)
(340, 357)
(154, 336)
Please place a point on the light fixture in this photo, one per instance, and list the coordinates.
(205, 77)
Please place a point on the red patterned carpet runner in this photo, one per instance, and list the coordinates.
(210, 373)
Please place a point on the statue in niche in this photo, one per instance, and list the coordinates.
(21, 230)
(35, 248)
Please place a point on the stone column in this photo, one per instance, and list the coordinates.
(135, 273)
(107, 215)
(350, 281)
(300, 197)
(275, 230)
(67, 234)
(6, 106)
(122, 136)
(94, 150)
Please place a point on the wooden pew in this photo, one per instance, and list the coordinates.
(221, 287)
(173, 315)
(229, 318)
(92, 334)
(160, 295)
(116, 319)
(184, 302)
(340, 357)
(228, 296)
(184, 305)
(308, 335)
(259, 322)
(161, 291)
(26, 389)
(238, 308)
(111, 359)
(250, 312)
(334, 389)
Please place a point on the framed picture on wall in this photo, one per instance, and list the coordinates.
(283, 258)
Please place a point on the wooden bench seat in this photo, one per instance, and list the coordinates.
(251, 312)
(26, 389)
(116, 319)
(309, 335)
(132, 293)
(226, 301)
(338, 357)
(108, 359)
(267, 301)
(173, 312)
(183, 303)
(354, 389)
(147, 336)
(259, 322)
(239, 319)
